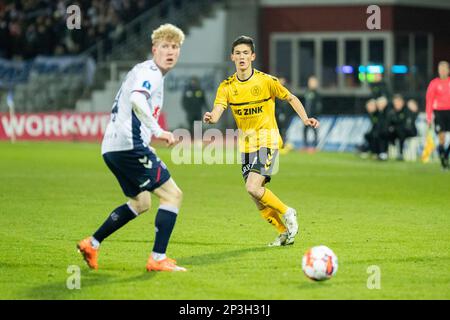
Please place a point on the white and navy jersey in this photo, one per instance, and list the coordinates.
(125, 131)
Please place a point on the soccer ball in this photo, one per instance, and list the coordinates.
(319, 263)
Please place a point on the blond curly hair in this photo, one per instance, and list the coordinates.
(168, 32)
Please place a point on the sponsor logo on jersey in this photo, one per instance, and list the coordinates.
(248, 111)
(146, 85)
(255, 90)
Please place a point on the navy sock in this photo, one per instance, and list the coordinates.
(164, 223)
(117, 219)
(441, 150)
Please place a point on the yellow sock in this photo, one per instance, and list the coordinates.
(273, 218)
(270, 200)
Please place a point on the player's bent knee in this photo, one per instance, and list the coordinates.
(179, 194)
(175, 197)
(253, 190)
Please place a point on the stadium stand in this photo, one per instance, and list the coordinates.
(34, 30)
(38, 27)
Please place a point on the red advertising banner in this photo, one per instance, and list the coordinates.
(58, 126)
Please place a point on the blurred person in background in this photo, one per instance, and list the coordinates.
(193, 102)
(397, 123)
(381, 128)
(438, 103)
(379, 87)
(411, 117)
(313, 107)
(369, 145)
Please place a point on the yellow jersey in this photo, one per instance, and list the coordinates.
(252, 103)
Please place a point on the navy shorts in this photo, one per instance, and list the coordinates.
(137, 170)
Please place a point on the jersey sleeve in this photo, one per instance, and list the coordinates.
(143, 112)
(277, 89)
(145, 82)
(222, 96)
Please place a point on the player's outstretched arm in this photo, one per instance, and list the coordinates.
(298, 107)
(214, 115)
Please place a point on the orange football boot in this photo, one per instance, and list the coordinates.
(89, 253)
(166, 264)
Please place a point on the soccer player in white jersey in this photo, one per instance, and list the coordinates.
(127, 153)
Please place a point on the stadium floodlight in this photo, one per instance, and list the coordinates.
(345, 69)
(371, 68)
(375, 69)
(399, 69)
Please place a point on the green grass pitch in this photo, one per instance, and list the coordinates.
(392, 215)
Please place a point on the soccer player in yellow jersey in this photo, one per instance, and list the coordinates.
(251, 96)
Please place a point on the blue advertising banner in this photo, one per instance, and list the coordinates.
(15, 72)
(345, 133)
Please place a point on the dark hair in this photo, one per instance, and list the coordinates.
(397, 96)
(243, 40)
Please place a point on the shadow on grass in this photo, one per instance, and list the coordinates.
(190, 243)
(150, 241)
(89, 278)
(219, 256)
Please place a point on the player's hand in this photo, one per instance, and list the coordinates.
(168, 137)
(207, 118)
(312, 122)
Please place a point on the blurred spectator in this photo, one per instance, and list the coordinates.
(389, 125)
(370, 136)
(3, 33)
(381, 132)
(313, 108)
(32, 27)
(413, 113)
(194, 102)
(397, 123)
(44, 38)
(379, 88)
(31, 42)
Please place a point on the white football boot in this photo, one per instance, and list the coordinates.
(290, 220)
(280, 240)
